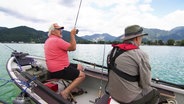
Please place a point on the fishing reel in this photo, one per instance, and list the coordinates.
(77, 30)
(22, 98)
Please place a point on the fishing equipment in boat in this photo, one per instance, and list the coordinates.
(22, 98)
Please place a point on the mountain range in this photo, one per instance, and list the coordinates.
(27, 35)
(176, 33)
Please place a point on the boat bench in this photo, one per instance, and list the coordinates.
(74, 92)
(96, 74)
(53, 85)
(166, 93)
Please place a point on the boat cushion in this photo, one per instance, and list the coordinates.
(52, 86)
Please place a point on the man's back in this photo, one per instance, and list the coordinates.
(56, 53)
(131, 62)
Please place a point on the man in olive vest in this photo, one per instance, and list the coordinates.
(130, 71)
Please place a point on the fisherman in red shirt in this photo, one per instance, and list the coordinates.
(56, 54)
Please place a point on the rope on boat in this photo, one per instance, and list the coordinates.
(7, 81)
(27, 84)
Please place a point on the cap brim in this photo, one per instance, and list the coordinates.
(61, 27)
(133, 36)
(144, 33)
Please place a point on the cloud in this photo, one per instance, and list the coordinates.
(173, 19)
(18, 15)
(66, 3)
(113, 16)
(95, 16)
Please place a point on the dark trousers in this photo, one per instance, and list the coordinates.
(150, 98)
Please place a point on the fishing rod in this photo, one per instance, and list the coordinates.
(168, 83)
(89, 63)
(153, 79)
(9, 47)
(77, 17)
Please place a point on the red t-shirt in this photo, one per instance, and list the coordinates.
(56, 53)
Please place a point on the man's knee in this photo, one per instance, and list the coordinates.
(80, 67)
(82, 75)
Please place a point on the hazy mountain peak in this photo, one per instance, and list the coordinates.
(100, 37)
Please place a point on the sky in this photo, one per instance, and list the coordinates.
(95, 16)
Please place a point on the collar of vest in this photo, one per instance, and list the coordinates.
(125, 46)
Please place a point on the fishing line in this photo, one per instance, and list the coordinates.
(8, 47)
(101, 81)
(16, 50)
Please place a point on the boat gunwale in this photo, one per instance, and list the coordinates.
(31, 93)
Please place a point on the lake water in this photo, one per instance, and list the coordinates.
(167, 62)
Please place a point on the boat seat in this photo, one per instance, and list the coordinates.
(166, 93)
(65, 83)
(97, 75)
(55, 87)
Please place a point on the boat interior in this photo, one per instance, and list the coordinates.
(87, 93)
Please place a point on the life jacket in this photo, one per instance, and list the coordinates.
(116, 51)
